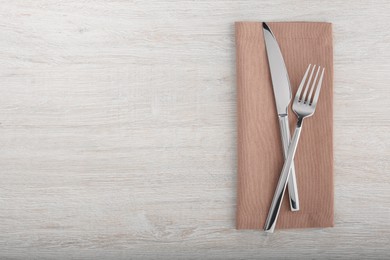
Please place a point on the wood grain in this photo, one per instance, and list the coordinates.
(260, 158)
(118, 130)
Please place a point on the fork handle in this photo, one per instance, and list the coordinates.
(292, 181)
(273, 212)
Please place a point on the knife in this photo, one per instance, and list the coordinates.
(282, 93)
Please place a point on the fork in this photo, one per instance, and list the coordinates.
(303, 106)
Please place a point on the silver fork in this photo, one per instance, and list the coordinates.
(303, 106)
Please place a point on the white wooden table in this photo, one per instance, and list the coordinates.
(118, 130)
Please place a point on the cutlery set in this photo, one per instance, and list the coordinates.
(304, 105)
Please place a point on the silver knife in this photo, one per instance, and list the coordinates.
(282, 93)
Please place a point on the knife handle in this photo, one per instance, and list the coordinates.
(292, 181)
(273, 213)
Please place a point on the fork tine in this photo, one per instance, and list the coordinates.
(313, 86)
(317, 94)
(302, 83)
(308, 84)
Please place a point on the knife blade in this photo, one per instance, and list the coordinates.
(282, 94)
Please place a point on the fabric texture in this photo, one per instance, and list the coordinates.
(260, 155)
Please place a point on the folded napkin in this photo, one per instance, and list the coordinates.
(260, 155)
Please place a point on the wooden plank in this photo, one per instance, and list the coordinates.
(118, 130)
